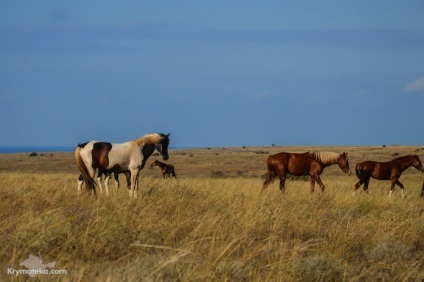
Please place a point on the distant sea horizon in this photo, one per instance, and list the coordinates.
(46, 149)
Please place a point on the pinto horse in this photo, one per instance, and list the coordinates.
(120, 157)
(390, 170)
(165, 169)
(309, 163)
(147, 151)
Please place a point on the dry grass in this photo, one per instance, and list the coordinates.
(199, 227)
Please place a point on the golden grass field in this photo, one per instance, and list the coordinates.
(211, 223)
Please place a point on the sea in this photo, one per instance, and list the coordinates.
(36, 149)
(48, 149)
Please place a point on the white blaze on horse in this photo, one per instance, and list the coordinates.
(129, 156)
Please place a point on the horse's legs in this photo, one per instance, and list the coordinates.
(312, 184)
(270, 177)
(115, 176)
(107, 178)
(318, 180)
(80, 182)
(397, 182)
(320, 183)
(357, 185)
(128, 178)
(282, 175)
(401, 187)
(134, 182)
(99, 180)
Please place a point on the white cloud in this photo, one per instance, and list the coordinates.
(415, 86)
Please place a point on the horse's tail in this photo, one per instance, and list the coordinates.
(359, 168)
(270, 172)
(89, 181)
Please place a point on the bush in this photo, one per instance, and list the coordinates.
(33, 154)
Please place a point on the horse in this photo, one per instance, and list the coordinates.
(107, 175)
(147, 151)
(299, 164)
(165, 169)
(390, 170)
(112, 157)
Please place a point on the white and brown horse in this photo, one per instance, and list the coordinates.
(147, 151)
(121, 157)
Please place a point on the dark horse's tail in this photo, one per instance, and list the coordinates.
(89, 181)
(359, 167)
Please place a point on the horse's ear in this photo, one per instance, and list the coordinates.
(168, 134)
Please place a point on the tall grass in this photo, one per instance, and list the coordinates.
(212, 229)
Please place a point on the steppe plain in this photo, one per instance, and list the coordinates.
(211, 223)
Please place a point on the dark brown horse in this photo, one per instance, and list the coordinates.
(309, 163)
(165, 169)
(390, 170)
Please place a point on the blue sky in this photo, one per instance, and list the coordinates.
(217, 73)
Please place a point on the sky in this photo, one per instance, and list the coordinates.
(212, 73)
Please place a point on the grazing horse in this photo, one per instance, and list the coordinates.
(167, 170)
(309, 163)
(390, 170)
(120, 157)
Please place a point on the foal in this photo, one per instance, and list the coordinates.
(166, 169)
(107, 175)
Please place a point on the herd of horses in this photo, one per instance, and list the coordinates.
(130, 158)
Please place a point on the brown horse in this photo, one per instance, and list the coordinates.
(390, 170)
(309, 163)
(167, 170)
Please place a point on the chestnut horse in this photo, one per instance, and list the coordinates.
(121, 157)
(390, 170)
(309, 163)
(167, 170)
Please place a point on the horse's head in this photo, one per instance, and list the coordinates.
(344, 163)
(417, 164)
(162, 146)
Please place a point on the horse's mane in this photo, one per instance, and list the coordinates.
(326, 157)
(152, 138)
(404, 157)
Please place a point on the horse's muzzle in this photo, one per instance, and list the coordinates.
(348, 172)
